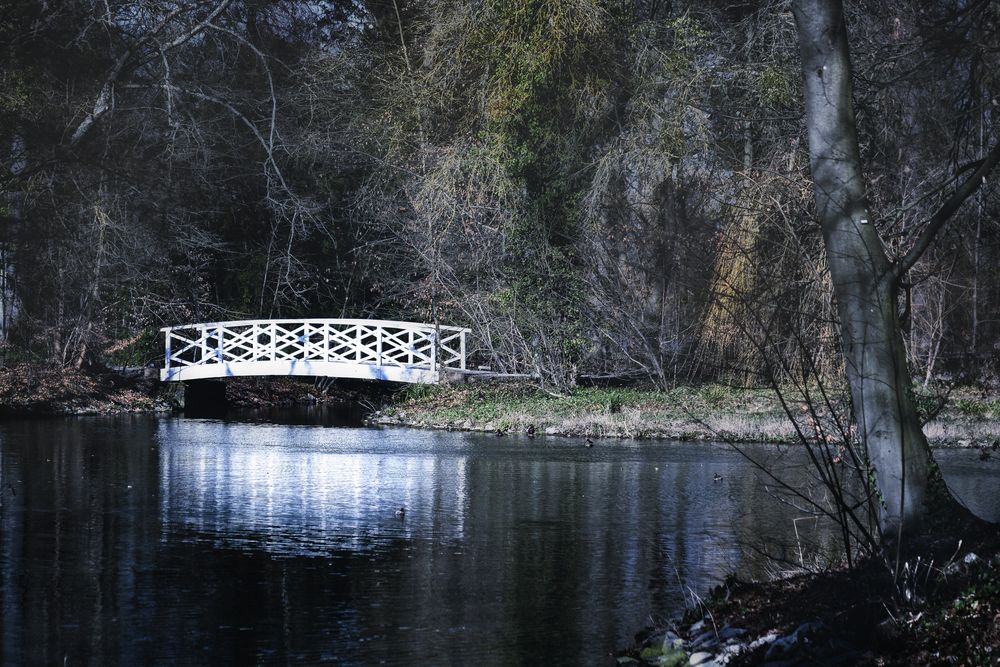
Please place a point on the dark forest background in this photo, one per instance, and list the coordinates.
(593, 186)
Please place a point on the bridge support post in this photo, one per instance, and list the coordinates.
(462, 348)
(179, 396)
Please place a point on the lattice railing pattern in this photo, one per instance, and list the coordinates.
(374, 342)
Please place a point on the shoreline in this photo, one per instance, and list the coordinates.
(32, 393)
(708, 412)
(840, 617)
(28, 392)
(706, 435)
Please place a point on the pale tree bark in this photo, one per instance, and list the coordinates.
(865, 281)
(133, 57)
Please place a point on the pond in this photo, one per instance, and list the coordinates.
(294, 538)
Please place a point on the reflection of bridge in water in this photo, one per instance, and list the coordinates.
(363, 349)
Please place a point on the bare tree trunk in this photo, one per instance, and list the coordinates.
(864, 282)
(977, 242)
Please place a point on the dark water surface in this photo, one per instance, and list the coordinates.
(144, 540)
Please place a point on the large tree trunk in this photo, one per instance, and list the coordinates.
(864, 283)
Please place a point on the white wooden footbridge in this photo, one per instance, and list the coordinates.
(365, 349)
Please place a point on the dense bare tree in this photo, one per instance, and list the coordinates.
(155, 168)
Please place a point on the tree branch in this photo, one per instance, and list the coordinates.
(943, 214)
(105, 99)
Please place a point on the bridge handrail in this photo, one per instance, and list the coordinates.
(318, 320)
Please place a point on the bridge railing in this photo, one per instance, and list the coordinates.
(372, 342)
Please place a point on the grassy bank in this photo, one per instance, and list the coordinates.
(710, 411)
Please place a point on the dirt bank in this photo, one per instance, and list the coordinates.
(27, 391)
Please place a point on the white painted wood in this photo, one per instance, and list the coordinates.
(300, 369)
(370, 349)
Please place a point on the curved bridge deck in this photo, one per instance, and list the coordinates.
(364, 349)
